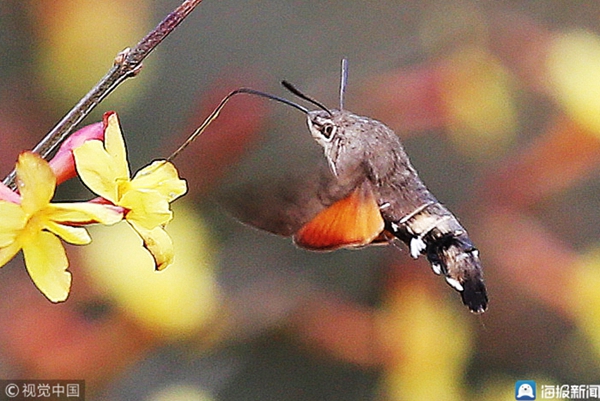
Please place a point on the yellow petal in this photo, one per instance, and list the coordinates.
(84, 212)
(12, 220)
(96, 169)
(36, 182)
(96, 29)
(411, 325)
(9, 252)
(163, 177)
(158, 243)
(149, 209)
(174, 303)
(73, 235)
(574, 77)
(47, 264)
(115, 146)
(478, 98)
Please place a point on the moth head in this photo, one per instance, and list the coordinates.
(336, 131)
(342, 136)
(323, 127)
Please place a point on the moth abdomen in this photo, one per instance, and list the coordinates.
(434, 231)
(454, 256)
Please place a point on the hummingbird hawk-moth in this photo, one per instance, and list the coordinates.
(369, 194)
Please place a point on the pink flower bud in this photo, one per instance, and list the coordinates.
(63, 164)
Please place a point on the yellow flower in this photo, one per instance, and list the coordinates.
(104, 170)
(35, 223)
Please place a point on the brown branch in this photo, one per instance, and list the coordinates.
(128, 63)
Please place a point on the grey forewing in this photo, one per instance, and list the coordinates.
(282, 206)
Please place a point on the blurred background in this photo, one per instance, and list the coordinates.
(498, 104)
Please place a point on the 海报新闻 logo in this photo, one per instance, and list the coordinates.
(525, 390)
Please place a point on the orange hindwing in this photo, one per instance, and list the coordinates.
(350, 222)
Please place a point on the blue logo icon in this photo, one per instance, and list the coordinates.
(525, 390)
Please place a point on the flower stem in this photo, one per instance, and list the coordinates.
(128, 63)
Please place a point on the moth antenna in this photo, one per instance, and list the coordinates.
(218, 109)
(343, 82)
(301, 95)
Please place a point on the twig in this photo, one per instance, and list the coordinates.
(128, 63)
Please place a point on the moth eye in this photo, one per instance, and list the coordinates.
(328, 130)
